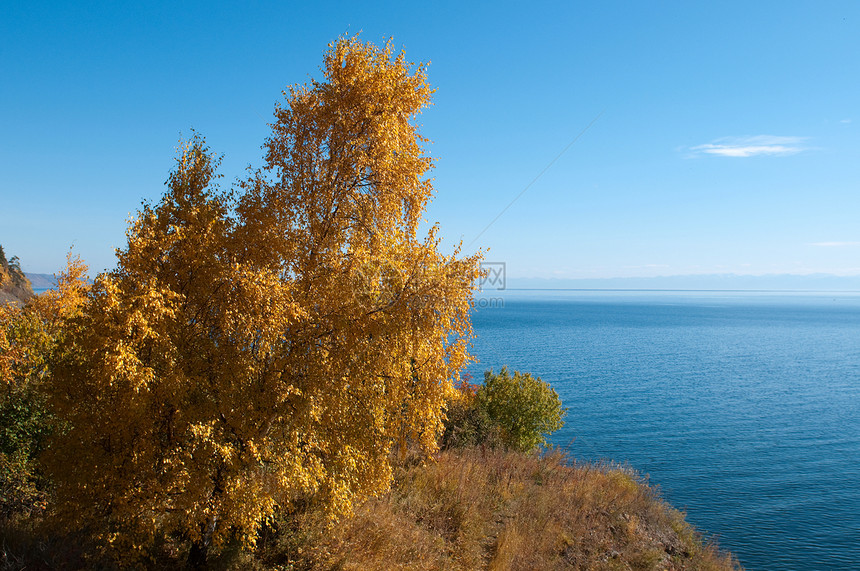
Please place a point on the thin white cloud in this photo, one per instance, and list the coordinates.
(834, 244)
(845, 121)
(752, 146)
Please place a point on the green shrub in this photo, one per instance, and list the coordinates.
(525, 408)
(517, 411)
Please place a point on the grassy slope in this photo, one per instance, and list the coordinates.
(486, 509)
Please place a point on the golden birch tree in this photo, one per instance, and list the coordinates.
(255, 348)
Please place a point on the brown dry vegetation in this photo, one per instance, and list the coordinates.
(491, 509)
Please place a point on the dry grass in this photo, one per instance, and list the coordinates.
(489, 509)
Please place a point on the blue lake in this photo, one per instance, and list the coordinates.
(744, 408)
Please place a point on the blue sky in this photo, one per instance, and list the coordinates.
(725, 141)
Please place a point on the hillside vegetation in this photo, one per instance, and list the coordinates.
(482, 502)
(470, 508)
(484, 508)
(14, 285)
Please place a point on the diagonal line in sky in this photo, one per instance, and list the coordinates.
(535, 179)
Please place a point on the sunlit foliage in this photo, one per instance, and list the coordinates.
(29, 339)
(256, 348)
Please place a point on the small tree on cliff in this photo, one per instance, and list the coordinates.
(525, 408)
(245, 353)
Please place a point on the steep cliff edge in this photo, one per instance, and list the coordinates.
(14, 285)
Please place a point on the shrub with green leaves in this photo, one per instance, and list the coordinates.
(525, 408)
(515, 411)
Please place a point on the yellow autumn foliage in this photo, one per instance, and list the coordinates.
(270, 343)
(30, 335)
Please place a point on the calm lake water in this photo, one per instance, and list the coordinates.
(744, 408)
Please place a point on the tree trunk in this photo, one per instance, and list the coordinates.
(197, 557)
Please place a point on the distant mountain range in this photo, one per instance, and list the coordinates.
(41, 281)
(778, 282)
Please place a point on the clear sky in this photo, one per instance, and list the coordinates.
(726, 139)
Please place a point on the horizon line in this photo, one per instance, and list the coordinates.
(710, 275)
(682, 290)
